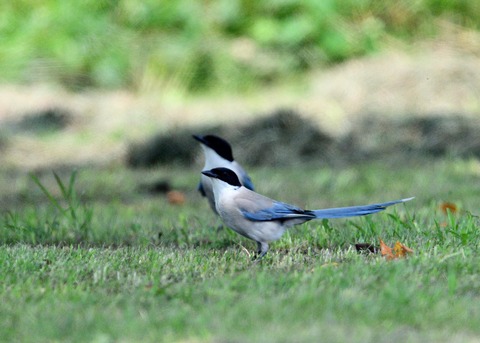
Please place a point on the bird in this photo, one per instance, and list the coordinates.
(264, 220)
(218, 153)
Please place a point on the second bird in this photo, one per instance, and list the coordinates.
(218, 154)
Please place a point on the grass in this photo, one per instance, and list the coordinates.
(144, 269)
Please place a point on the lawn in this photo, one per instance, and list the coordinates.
(117, 263)
(93, 255)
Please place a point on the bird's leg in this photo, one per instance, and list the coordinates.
(262, 250)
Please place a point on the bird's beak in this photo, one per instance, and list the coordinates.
(209, 173)
(200, 139)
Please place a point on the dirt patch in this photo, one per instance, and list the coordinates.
(433, 136)
(286, 138)
(282, 138)
(43, 121)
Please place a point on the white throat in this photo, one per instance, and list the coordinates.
(220, 187)
(214, 160)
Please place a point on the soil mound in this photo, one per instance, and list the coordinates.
(286, 138)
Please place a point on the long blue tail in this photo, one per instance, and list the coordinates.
(353, 211)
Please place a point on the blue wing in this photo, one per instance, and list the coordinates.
(201, 189)
(279, 211)
(247, 182)
(282, 211)
(342, 212)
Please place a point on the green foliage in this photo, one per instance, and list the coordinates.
(199, 45)
(65, 221)
(147, 270)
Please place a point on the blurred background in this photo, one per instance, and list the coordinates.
(98, 82)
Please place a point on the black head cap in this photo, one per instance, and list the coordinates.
(223, 174)
(219, 145)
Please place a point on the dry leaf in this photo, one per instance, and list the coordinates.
(176, 198)
(448, 206)
(399, 250)
(386, 251)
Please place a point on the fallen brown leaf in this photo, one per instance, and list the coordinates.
(445, 207)
(399, 250)
(386, 251)
(176, 198)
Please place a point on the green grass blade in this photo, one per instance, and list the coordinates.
(68, 193)
(71, 183)
(61, 186)
(45, 191)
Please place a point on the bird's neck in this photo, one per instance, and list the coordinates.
(214, 160)
(220, 188)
